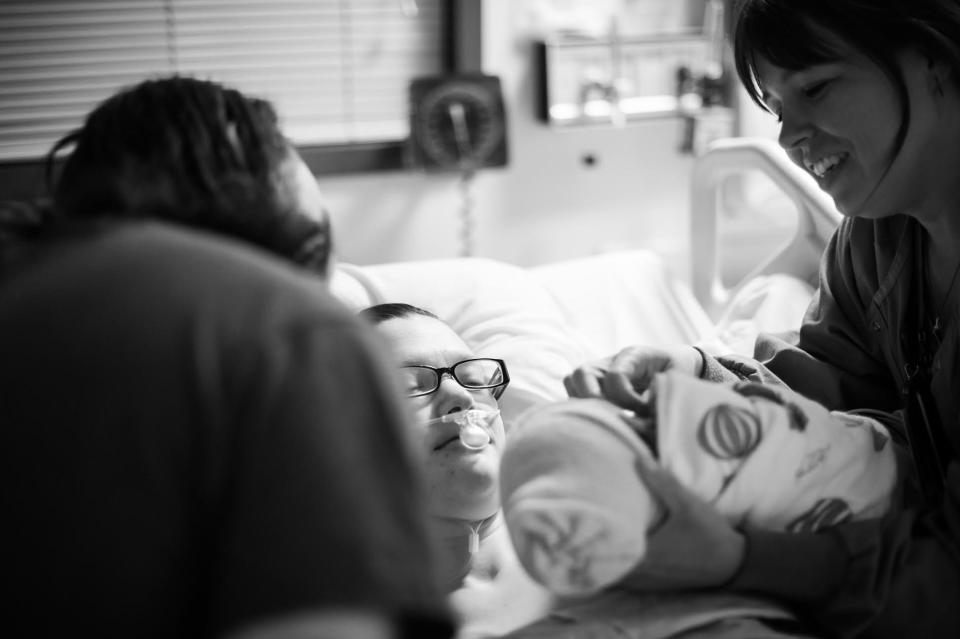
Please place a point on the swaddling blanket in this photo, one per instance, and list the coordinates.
(578, 512)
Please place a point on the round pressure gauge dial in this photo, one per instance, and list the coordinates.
(459, 124)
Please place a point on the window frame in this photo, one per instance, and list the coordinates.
(462, 53)
(25, 179)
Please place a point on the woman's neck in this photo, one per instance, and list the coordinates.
(458, 541)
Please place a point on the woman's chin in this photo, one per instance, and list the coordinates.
(472, 503)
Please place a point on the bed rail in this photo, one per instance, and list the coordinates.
(798, 256)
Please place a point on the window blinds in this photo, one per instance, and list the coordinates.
(337, 70)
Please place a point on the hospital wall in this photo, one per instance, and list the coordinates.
(550, 203)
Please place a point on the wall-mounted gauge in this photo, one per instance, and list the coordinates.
(457, 122)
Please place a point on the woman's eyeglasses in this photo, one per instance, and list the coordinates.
(482, 373)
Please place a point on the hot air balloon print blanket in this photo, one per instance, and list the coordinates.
(578, 512)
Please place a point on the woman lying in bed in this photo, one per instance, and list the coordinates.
(459, 434)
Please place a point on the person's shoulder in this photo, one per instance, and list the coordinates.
(173, 273)
(163, 247)
(157, 252)
(238, 275)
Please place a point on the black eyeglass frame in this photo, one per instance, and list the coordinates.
(497, 389)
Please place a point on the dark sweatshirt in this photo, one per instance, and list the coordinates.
(898, 576)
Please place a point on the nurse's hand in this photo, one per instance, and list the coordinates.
(623, 378)
(692, 546)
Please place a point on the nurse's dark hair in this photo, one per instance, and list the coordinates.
(194, 152)
(783, 32)
(393, 310)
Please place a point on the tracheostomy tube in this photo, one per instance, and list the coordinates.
(475, 425)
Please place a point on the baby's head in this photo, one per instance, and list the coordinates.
(574, 503)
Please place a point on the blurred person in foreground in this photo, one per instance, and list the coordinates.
(198, 439)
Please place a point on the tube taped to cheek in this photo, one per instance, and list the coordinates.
(475, 425)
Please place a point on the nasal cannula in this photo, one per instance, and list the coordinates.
(473, 434)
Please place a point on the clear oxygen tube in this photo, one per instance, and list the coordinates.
(475, 425)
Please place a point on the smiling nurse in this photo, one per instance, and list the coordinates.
(868, 96)
(840, 121)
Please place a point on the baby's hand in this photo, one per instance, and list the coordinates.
(644, 424)
(623, 378)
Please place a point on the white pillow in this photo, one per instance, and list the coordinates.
(499, 309)
(546, 320)
(772, 303)
(623, 299)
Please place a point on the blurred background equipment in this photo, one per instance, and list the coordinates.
(457, 123)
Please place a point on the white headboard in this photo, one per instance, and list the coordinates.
(798, 256)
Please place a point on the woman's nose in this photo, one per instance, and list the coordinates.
(452, 395)
(794, 129)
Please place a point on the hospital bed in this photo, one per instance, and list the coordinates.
(547, 319)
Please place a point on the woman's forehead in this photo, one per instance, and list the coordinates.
(796, 46)
(771, 73)
(419, 337)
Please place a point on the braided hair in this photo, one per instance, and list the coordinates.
(193, 152)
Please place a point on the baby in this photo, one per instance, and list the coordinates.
(578, 512)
